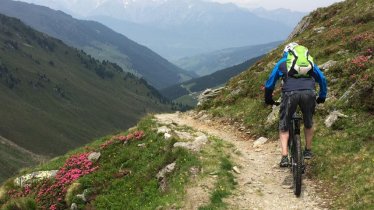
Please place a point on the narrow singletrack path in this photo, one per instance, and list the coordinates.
(261, 183)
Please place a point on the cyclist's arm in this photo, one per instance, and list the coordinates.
(274, 76)
(321, 80)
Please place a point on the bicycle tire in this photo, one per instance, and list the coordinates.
(297, 166)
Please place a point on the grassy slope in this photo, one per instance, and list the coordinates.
(56, 98)
(344, 153)
(140, 188)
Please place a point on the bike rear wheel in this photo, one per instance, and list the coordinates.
(297, 165)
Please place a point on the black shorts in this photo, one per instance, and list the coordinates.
(306, 99)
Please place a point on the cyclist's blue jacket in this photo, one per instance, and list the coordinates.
(290, 83)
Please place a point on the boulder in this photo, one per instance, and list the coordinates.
(167, 136)
(163, 129)
(186, 145)
(74, 206)
(94, 156)
(348, 93)
(236, 92)
(184, 135)
(168, 169)
(273, 116)
(260, 141)
(195, 145)
(333, 117)
(236, 169)
(34, 177)
(326, 66)
(319, 29)
(83, 196)
(208, 94)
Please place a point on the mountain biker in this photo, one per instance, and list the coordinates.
(298, 89)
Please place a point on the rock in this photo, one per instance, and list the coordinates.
(168, 169)
(236, 169)
(161, 176)
(199, 142)
(201, 139)
(273, 116)
(184, 135)
(73, 206)
(241, 128)
(163, 129)
(346, 95)
(142, 145)
(93, 157)
(260, 141)
(195, 145)
(328, 65)
(333, 117)
(300, 28)
(208, 94)
(167, 136)
(319, 29)
(236, 92)
(83, 196)
(186, 145)
(287, 186)
(35, 176)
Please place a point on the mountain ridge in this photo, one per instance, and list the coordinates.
(98, 40)
(176, 29)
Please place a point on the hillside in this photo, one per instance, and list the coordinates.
(168, 161)
(55, 98)
(344, 153)
(98, 41)
(209, 63)
(215, 79)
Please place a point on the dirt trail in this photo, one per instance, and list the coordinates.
(261, 183)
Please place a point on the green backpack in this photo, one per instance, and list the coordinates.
(299, 62)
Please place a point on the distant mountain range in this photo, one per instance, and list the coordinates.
(179, 28)
(208, 63)
(99, 41)
(55, 98)
(215, 79)
(285, 16)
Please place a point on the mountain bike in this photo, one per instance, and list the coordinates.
(296, 155)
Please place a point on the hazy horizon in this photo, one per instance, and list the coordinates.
(294, 5)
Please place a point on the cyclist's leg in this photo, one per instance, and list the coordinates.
(307, 105)
(287, 108)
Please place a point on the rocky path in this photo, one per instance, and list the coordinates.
(261, 183)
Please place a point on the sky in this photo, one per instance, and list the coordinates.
(295, 5)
